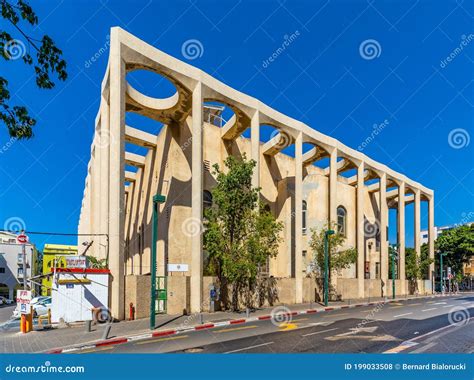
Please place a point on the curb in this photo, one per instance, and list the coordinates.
(206, 326)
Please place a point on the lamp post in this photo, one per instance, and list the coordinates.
(393, 257)
(441, 283)
(326, 265)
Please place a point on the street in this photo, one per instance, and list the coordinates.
(416, 325)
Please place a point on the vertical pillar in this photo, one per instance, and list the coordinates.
(332, 205)
(96, 197)
(196, 200)
(417, 243)
(255, 141)
(299, 218)
(333, 188)
(104, 176)
(116, 175)
(431, 236)
(383, 233)
(360, 231)
(401, 234)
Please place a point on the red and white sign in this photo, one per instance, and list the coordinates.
(22, 239)
(23, 298)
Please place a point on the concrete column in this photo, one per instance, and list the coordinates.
(360, 231)
(333, 187)
(299, 218)
(431, 235)
(255, 141)
(96, 198)
(417, 243)
(401, 232)
(383, 233)
(196, 200)
(104, 176)
(116, 176)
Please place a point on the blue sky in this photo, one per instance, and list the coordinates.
(323, 78)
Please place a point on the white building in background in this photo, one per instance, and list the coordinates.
(438, 231)
(11, 264)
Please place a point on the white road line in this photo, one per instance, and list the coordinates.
(466, 303)
(249, 348)
(401, 315)
(433, 308)
(320, 332)
(449, 306)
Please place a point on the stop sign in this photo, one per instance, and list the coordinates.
(22, 239)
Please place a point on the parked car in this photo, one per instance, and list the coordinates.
(34, 301)
(42, 307)
(5, 301)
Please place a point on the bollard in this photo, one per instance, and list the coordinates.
(106, 331)
(89, 325)
(201, 321)
(247, 312)
(23, 324)
(49, 316)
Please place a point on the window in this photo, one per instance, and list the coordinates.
(305, 215)
(2, 270)
(206, 199)
(20, 271)
(341, 220)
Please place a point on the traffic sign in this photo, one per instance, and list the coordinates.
(23, 298)
(22, 239)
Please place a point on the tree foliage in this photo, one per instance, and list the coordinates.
(239, 236)
(46, 62)
(338, 258)
(458, 243)
(417, 267)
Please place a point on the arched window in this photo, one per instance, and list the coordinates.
(206, 199)
(341, 220)
(304, 208)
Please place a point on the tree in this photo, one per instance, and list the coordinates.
(338, 258)
(458, 243)
(239, 236)
(47, 61)
(416, 267)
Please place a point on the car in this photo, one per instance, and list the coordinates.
(34, 301)
(42, 307)
(5, 301)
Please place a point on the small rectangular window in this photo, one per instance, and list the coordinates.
(2, 270)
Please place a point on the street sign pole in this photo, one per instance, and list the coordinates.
(24, 266)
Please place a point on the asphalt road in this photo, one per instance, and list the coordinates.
(421, 325)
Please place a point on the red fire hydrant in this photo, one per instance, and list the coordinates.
(131, 315)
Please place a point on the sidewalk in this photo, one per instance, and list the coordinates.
(73, 337)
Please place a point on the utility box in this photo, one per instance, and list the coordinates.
(80, 294)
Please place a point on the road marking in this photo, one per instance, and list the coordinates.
(414, 304)
(299, 319)
(288, 326)
(249, 348)
(235, 329)
(163, 339)
(320, 332)
(431, 302)
(433, 308)
(448, 306)
(440, 303)
(401, 315)
(466, 303)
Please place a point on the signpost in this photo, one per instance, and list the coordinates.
(23, 239)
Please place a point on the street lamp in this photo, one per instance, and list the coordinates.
(326, 265)
(441, 283)
(393, 257)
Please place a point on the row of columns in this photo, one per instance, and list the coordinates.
(196, 204)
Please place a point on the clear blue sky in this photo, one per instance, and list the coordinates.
(321, 78)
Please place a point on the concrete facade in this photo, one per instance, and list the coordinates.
(117, 202)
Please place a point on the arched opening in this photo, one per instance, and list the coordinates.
(341, 221)
(217, 113)
(206, 199)
(151, 84)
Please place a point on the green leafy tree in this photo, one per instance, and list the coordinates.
(416, 267)
(96, 263)
(239, 236)
(47, 61)
(338, 258)
(458, 243)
